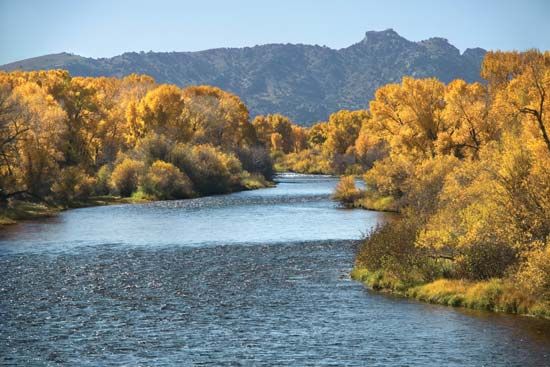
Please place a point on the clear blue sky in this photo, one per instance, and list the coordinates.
(103, 28)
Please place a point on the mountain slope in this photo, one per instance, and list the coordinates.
(304, 82)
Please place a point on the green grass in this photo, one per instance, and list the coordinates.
(138, 197)
(378, 280)
(497, 295)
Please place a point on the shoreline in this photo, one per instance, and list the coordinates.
(499, 294)
(26, 210)
(494, 295)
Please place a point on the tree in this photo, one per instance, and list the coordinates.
(84, 115)
(39, 149)
(30, 126)
(317, 134)
(530, 91)
(343, 129)
(218, 117)
(410, 115)
(277, 142)
(369, 147)
(276, 125)
(11, 131)
(162, 111)
(468, 115)
(299, 138)
(65, 138)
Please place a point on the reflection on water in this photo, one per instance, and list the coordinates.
(298, 209)
(124, 286)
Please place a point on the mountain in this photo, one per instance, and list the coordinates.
(305, 82)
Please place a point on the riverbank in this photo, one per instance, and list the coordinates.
(350, 196)
(399, 258)
(20, 210)
(24, 211)
(496, 295)
(266, 258)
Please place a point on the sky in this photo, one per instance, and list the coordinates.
(103, 28)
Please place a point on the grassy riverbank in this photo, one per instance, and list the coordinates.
(24, 210)
(18, 210)
(497, 295)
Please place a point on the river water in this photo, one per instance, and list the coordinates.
(255, 278)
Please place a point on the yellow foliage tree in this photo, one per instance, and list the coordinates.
(410, 115)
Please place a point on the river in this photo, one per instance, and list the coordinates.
(252, 278)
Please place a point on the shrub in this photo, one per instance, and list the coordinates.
(485, 260)
(153, 147)
(424, 186)
(166, 181)
(346, 192)
(534, 273)
(102, 186)
(388, 177)
(125, 176)
(256, 160)
(181, 156)
(211, 170)
(73, 184)
(391, 248)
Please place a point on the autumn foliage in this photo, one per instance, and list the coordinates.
(468, 166)
(64, 139)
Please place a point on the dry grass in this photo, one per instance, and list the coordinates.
(498, 295)
(379, 203)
